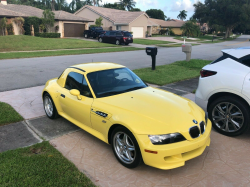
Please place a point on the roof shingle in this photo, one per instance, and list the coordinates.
(114, 15)
(171, 23)
(13, 10)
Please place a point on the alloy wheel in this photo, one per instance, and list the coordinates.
(124, 147)
(48, 106)
(117, 42)
(100, 40)
(227, 117)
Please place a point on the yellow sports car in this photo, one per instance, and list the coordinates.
(143, 124)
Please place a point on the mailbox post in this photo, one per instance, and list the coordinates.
(187, 48)
(152, 51)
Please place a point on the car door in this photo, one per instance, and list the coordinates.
(73, 108)
(246, 86)
(112, 37)
(106, 36)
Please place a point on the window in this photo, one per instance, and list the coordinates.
(127, 34)
(107, 33)
(114, 81)
(118, 34)
(77, 81)
(118, 27)
(112, 33)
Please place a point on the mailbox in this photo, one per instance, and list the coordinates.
(152, 51)
(187, 48)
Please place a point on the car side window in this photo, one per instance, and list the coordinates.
(112, 33)
(77, 81)
(107, 33)
(118, 34)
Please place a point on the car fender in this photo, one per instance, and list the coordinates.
(228, 91)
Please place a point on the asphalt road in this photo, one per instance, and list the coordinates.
(29, 72)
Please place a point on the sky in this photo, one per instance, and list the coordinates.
(171, 8)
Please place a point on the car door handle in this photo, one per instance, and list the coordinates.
(62, 95)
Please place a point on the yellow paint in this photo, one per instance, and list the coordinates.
(177, 31)
(147, 111)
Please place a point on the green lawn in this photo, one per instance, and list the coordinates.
(39, 165)
(177, 71)
(30, 43)
(149, 42)
(63, 52)
(173, 45)
(202, 39)
(8, 115)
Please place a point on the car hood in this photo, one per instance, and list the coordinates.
(151, 107)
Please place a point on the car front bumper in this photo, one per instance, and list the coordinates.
(173, 155)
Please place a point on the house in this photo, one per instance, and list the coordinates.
(69, 24)
(136, 22)
(159, 24)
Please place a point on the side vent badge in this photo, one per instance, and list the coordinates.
(195, 122)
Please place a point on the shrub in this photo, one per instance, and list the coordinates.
(48, 35)
(93, 26)
(35, 21)
(10, 29)
(221, 34)
(162, 32)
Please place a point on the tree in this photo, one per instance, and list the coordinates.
(48, 19)
(96, 2)
(156, 14)
(98, 22)
(190, 28)
(135, 10)
(226, 13)
(127, 4)
(183, 14)
(113, 6)
(3, 25)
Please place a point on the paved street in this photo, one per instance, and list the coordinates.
(30, 72)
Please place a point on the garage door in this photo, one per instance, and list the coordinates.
(73, 30)
(137, 32)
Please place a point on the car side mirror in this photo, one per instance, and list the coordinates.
(76, 93)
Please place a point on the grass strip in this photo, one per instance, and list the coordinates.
(174, 45)
(39, 165)
(177, 71)
(8, 115)
(31, 43)
(64, 52)
(149, 42)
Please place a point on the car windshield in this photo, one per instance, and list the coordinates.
(127, 34)
(114, 81)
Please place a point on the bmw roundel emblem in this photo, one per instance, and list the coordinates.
(195, 122)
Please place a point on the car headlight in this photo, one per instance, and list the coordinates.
(166, 138)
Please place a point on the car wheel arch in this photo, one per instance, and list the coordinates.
(112, 128)
(223, 94)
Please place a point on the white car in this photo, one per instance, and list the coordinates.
(224, 91)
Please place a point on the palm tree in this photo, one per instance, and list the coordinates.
(96, 2)
(182, 15)
(127, 4)
(190, 28)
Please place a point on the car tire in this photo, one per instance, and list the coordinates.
(120, 143)
(85, 35)
(100, 40)
(49, 107)
(117, 42)
(229, 115)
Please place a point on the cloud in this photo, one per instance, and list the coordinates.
(187, 5)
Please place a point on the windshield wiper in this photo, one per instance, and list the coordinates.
(134, 88)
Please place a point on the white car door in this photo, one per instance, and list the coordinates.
(246, 86)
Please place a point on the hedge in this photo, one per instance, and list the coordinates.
(221, 34)
(48, 35)
(35, 21)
